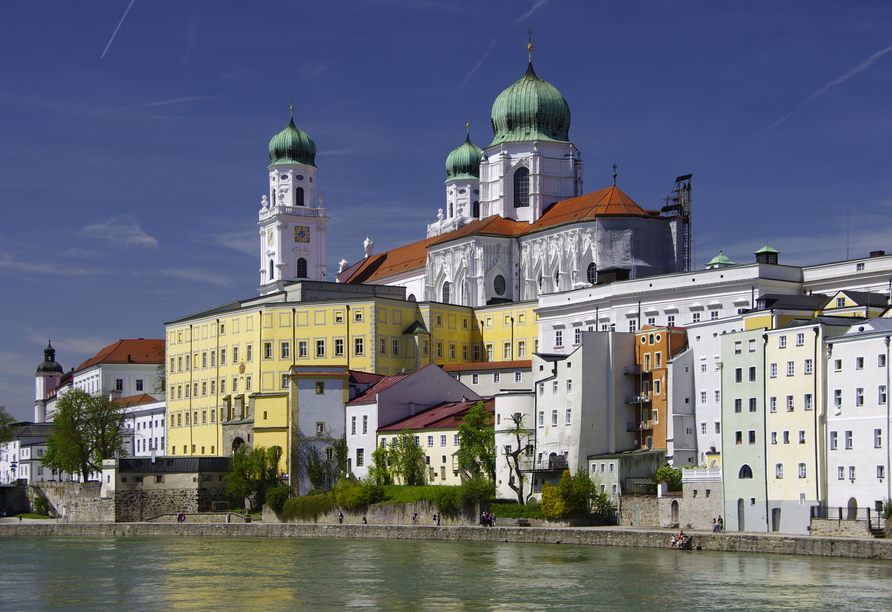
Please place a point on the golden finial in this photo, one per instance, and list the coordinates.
(291, 108)
(530, 45)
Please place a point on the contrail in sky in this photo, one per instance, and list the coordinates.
(116, 29)
(539, 4)
(480, 63)
(863, 66)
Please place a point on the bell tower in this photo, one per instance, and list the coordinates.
(292, 219)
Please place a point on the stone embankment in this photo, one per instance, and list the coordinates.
(591, 536)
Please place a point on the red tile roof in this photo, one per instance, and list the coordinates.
(489, 365)
(442, 416)
(370, 396)
(364, 377)
(128, 351)
(609, 202)
(136, 400)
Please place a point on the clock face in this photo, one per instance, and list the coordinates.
(301, 234)
(269, 237)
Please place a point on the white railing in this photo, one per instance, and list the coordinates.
(701, 475)
(300, 211)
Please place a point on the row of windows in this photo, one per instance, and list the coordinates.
(177, 420)
(496, 378)
(178, 391)
(841, 472)
(718, 427)
(554, 417)
(850, 441)
(177, 363)
(173, 451)
(555, 387)
(430, 440)
(786, 437)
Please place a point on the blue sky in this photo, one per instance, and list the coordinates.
(130, 183)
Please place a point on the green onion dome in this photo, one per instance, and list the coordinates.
(531, 109)
(49, 365)
(719, 261)
(464, 162)
(292, 146)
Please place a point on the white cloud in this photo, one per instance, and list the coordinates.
(8, 262)
(480, 63)
(123, 230)
(539, 4)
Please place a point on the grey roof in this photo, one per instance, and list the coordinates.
(174, 465)
(866, 298)
(33, 430)
(794, 301)
(823, 320)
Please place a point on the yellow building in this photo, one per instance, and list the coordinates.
(232, 365)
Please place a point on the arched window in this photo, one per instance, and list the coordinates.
(450, 210)
(301, 268)
(299, 196)
(271, 275)
(522, 188)
(591, 273)
(446, 292)
(745, 472)
(476, 209)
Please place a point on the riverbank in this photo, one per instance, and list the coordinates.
(587, 536)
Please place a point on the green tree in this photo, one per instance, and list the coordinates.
(252, 472)
(672, 477)
(86, 429)
(407, 460)
(341, 452)
(6, 426)
(515, 454)
(316, 468)
(477, 444)
(379, 471)
(575, 495)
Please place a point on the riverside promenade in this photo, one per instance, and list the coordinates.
(858, 548)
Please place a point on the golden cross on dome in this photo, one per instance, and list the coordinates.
(530, 45)
(292, 107)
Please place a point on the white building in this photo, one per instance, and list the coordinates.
(858, 418)
(390, 400)
(146, 421)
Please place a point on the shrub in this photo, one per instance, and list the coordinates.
(887, 509)
(277, 496)
(353, 494)
(41, 505)
(308, 507)
(671, 476)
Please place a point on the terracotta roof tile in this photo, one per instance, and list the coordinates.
(128, 351)
(609, 202)
(442, 416)
(136, 400)
(364, 377)
(370, 396)
(489, 365)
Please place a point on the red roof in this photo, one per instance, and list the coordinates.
(363, 378)
(609, 202)
(370, 396)
(442, 416)
(128, 351)
(136, 400)
(488, 365)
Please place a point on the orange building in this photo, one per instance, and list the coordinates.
(654, 347)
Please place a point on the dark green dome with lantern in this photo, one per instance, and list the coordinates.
(531, 109)
(292, 146)
(49, 365)
(464, 162)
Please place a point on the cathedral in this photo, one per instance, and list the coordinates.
(515, 225)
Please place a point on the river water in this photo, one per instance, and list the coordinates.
(244, 574)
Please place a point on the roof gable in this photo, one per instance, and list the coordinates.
(139, 350)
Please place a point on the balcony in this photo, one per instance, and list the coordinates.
(554, 463)
(640, 426)
(638, 398)
(632, 370)
(299, 211)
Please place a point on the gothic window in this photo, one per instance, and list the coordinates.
(301, 268)
(591, 273)
(476, 209)
(299, 196)
(745, 472)
(522, 188)
(499, 284)
(446, 292)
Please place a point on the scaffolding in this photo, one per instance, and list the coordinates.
(678, 204)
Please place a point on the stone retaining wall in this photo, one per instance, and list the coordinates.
(78, 502)
(204, 517)
(758, 543)
(840, 529)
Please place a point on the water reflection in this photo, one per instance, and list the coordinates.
(283, 574)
